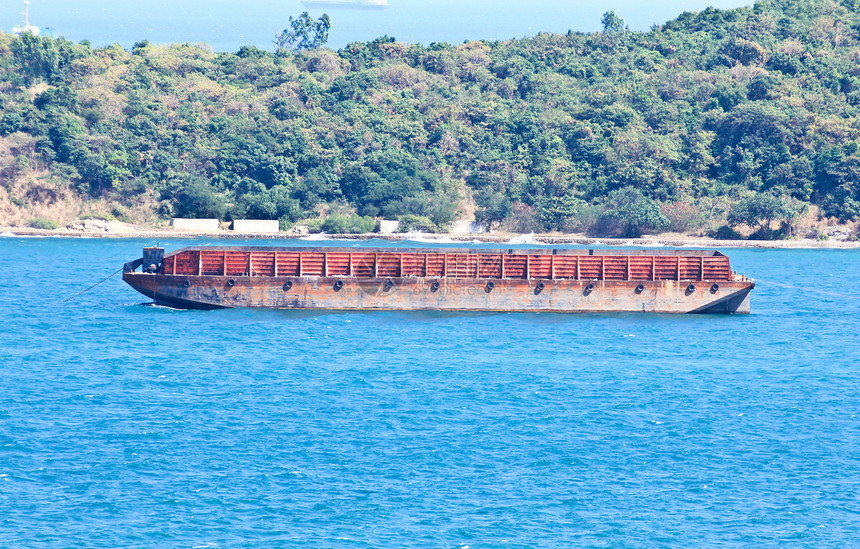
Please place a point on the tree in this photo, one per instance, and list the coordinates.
(304, 33)
(38, 57)
(199, 200)
(612, 23)
(554, 211)
(493, 208)
(629, 213)
(352, 224)
(759, 210)
(43, 57)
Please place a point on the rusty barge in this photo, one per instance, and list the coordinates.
(448, 279)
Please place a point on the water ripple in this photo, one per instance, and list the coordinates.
(129, 425)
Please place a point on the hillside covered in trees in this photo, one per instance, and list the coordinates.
(746, 116)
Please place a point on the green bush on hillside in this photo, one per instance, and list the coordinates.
(348, 224)
(43, 223)
(417, 223)
(629, 213)
(760, 210)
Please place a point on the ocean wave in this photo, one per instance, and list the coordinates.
(10, 235)
(315, 236)
(416, 236)
(523, 239)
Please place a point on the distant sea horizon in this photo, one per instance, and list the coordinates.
(227, 26)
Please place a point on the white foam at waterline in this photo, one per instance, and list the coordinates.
(523, 239)
(161, 306)
(318, 236)
(655, 244)
(416, 236)
(7, 234)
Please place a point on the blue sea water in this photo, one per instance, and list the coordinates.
(129, 425)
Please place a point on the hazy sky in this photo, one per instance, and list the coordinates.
(226, 25)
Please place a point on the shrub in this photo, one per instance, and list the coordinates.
(360, 224)
(334, 224)
(11, 122)
(352, 224)
(274, 203)
(200, 200)
(586, 218)
(43, 223)
(315, 225)
(493, 208)
(166, 209)
(842, 206)
(555, 211)
(725, 233)
(419, 223)
(759, 210)
(285, 223)
(683, 217)
(440, 208)
(522, 219)
(628, 213)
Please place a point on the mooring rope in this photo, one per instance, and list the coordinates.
(94, 285)
(834, 294)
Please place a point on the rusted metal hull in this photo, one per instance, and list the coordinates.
(442, 279)
(399, 294)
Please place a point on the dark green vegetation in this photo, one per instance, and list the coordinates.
(716, 116)
(304, 33)
(40, 223)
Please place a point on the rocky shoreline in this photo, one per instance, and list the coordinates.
(122, 230)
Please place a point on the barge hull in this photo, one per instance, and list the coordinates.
(399, 294)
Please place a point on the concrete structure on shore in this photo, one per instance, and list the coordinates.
(388, 226)
(468, 227)
(256, 226)
(195, 225)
